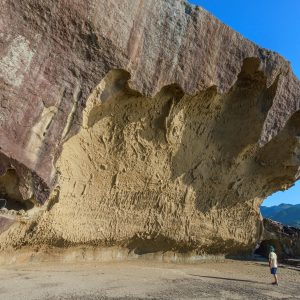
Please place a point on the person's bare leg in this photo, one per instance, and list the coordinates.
(276, 279)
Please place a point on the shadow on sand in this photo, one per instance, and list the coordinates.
(226, 278)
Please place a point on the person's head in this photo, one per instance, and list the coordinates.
(271, 249)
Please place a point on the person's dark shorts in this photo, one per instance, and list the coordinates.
(273, 271)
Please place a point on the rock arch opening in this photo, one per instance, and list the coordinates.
(283, 206)
(281, 213)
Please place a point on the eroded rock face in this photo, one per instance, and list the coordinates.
(160, 127)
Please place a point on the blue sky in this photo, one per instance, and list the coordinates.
(272, 24)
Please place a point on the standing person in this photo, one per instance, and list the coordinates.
(273, 264)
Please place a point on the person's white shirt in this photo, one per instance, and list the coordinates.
(273, 259)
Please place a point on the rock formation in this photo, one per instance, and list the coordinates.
(286, 239)
(145, 124)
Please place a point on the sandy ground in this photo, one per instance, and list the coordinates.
(147, 280)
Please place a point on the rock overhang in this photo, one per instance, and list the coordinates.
(68, 49)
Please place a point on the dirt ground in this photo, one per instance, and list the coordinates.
(147, 280)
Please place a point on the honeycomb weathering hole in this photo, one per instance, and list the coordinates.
(10, 196)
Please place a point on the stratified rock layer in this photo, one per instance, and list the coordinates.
(160, 127)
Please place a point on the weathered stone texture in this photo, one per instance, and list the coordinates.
(285, 239)
(187, 128)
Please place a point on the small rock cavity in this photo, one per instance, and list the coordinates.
(11, 199)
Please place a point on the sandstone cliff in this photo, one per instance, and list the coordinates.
(145, 124)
